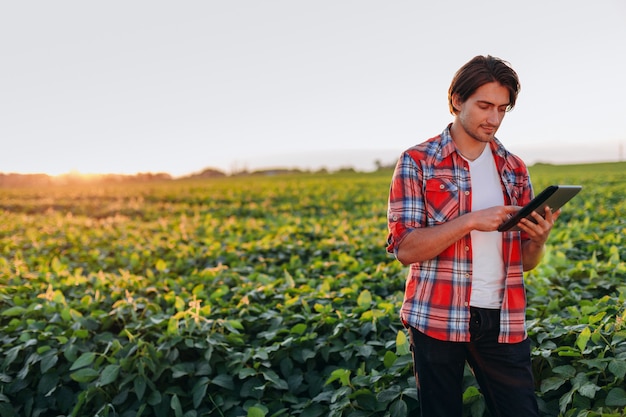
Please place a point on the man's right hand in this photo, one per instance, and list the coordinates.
(489, 219)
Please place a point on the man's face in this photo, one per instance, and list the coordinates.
(481, 114)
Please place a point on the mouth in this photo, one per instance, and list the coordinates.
(489, 129)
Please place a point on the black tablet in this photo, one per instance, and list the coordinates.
(555, 196)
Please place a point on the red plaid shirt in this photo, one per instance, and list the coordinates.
(431, 185)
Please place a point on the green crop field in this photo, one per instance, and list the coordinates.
(273, 296)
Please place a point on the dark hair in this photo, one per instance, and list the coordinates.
(481, 70)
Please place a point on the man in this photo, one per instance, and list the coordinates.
(465, 297)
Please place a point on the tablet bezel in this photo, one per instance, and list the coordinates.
(554, 196)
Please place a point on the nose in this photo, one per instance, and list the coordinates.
(494, 117)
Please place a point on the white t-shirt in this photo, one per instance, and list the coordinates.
(487, 260)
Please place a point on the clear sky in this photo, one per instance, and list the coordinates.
(156, 86)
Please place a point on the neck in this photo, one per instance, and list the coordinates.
(473, 157)
(466, 145)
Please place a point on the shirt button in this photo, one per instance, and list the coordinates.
(466, 248)
(466, 304)
(467, 275)
(442, 186)
(467, 193)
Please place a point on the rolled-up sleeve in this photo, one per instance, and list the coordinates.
(406, 209)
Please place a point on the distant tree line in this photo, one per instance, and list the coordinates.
(22, 180)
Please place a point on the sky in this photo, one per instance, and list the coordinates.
(177, 87)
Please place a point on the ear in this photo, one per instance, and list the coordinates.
(456, 102)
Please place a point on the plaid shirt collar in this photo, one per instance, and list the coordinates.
(447, 147)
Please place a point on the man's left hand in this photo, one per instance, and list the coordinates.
(539, 231)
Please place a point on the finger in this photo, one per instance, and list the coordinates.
(511, 209)
(531, 225)
(552, 216)
(547, 212)
(538, 218)
(528, 226)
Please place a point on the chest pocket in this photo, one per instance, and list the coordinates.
(515, 186)
(442, 200)
(515, 194)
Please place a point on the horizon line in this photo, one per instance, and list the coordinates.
(86, 175)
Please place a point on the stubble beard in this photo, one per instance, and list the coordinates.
(477, 136)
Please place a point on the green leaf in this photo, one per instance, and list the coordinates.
(13, 311)
(302, 354)
(176, 406)
(618, 368)
(85, 375)
(399, 409)
(411, 392)
(615, 257)
(366, 350)
(11, 355)
(47, 385)
(48, 361)
(182, 369)
(365, 399)
(568, 351)
(109, 375)
(616, 398)
(85, 359)
(589, 390)
(57, 266)
(568, 371)
(565, 400)
(224, 381)
(478, 408)
(389, 394)
(276, 381)
(299, 328)
(81, 333)
(314, 410)
(233, 326)
(245, 373)
(552, 383)
(295, 382)
(199, 391)
(262, 354)
(289, 280)
(389, 359)
(256, 412)
(597, 317)
(599, 364)
(160, 265)
(583, 339)
(365, 299)
(402, 343)
(173, 326)
(154, 398)
(140, 386)
(470, 395)
(343, 375)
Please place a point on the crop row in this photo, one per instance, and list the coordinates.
(268, 297)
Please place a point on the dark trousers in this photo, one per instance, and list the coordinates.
(503, 371)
